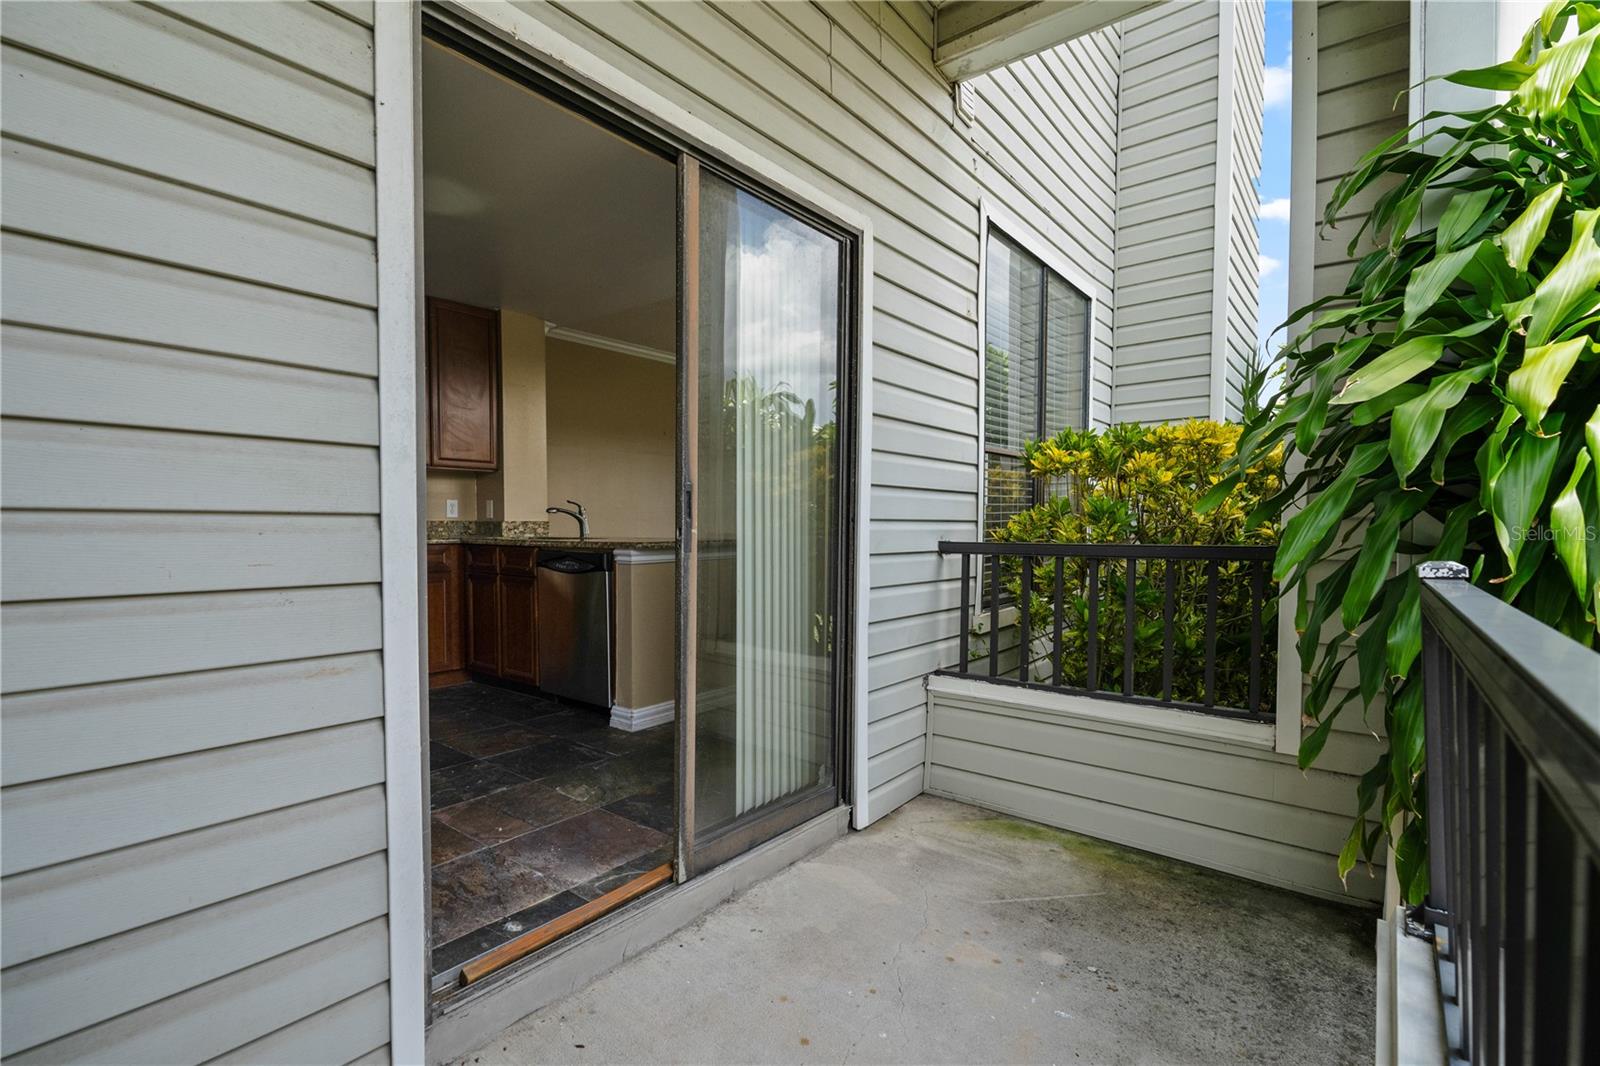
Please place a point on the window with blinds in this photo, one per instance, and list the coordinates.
(1036, 359)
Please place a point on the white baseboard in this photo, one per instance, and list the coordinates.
(633, 719)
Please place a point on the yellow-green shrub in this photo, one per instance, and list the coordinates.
(1139, 484)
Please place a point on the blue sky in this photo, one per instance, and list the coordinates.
(1273, 224)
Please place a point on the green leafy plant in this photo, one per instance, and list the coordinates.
(1445, 404)
(1137, 484)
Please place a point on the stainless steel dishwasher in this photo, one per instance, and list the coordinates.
(574, 625)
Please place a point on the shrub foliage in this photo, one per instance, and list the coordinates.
(1138, 484)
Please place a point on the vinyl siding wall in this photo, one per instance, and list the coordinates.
(1205, 790)
(1244, 202)
(193, 799)
(1167, 136)
(1177, 137)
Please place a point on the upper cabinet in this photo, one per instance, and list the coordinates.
(463, 386)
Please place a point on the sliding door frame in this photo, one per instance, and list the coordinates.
(697, 853)
(520, 47)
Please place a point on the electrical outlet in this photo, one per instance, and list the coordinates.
(488, 506)
(452, 508)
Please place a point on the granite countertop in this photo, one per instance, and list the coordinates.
(592, 544)
(536, 535)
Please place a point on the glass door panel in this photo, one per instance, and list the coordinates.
(762, 458)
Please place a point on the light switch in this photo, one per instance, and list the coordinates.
(452, 508)
(488, 508)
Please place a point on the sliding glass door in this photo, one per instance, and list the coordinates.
(763, 324)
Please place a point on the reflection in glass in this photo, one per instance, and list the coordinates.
(767, 442)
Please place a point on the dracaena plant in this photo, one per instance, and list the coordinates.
(1444, 405)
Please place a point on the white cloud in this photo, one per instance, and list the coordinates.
(1266, 265)
(1277, 210)
(1275, 84)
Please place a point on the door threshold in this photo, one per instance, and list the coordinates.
(556, 928)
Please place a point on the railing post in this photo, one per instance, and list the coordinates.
(966, 609)
(1025, 619)
(994, 615)
(1436, 697)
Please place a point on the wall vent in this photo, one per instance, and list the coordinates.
(967, 101)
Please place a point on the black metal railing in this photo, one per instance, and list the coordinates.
(1193, 622)
(1512, 720)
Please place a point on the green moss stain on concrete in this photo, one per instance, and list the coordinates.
(1073, 844)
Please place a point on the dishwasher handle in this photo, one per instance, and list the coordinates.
(575, 562)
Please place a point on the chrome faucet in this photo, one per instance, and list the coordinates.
(583, 519)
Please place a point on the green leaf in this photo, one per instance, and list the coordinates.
(1378, 406)
(1350, 852)
(1571, 284)
(1317, 609)
(1411, 862)
(1468, 417)
(1591, 436)
(1395, 367)
(1533, 385)
(1327, 375)
(1370, 645)
(1305, 529)
(1518, 490)
(1503, 77)
(1372, 564)
(1522, 237)
(1311, 744)
(1404, 639)
(1405, 729)
(1429, 283)
(1571, 530)
(1216, 494)
(1554, 74)
(1460, 217)
(1417, 422)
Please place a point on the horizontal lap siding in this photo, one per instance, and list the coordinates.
(194, 830)
(845, 96)
(1363, 67)
(1216, 802)
(1244, 242)
(1044, 138)
(1167, 136)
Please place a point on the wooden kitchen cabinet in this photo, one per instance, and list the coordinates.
(447, 659)
(501, 614)
(463, 386)
(518, 657)
(483, 610)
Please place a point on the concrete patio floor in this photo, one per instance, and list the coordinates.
(947, 933)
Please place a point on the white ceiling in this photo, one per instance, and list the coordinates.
(531, 207)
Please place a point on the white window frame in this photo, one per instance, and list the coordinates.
(994, 216)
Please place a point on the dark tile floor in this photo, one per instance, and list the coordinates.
(538, 807)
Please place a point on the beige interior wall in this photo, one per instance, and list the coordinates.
(452, 484)
(577, 423)
(612, 422)
(646, 635)
(516, 491)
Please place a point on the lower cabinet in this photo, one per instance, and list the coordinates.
(500, 613)
(518, 660)
(447, 656)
